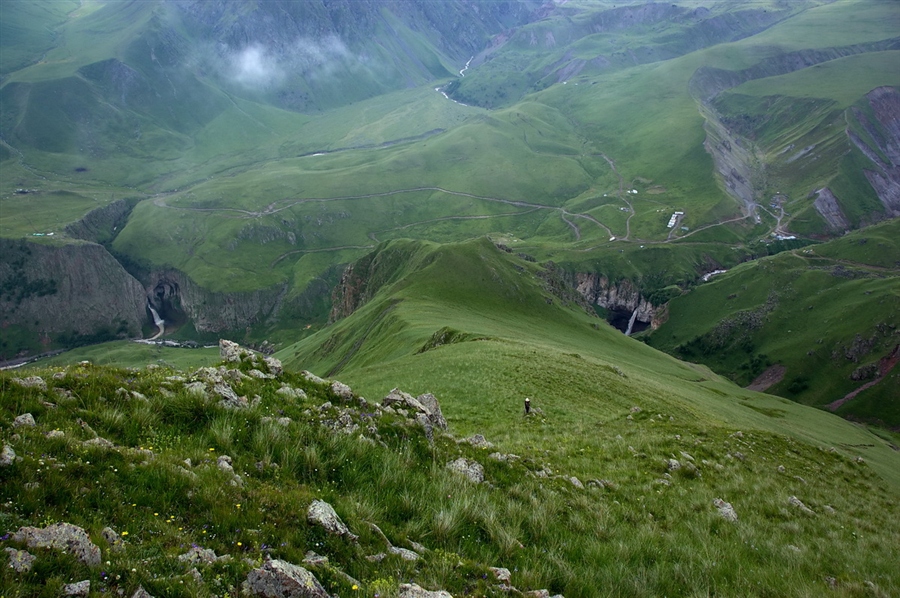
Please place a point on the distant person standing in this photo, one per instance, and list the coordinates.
(527, 405)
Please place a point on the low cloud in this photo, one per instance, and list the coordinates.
(255, 67)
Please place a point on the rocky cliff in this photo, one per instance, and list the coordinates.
(66, 293)
(619, 296)
(884, 148)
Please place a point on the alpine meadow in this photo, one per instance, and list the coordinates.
(435, 298)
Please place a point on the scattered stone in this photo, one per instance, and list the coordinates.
(781, 469)
(314, 560)
(376, 558)
(686, 456)
(59, 376)
(274, 365)
(635, 409)
(232, 352)
(197, 389)
(323, 514)
(205, 556)
(176, 379)
(325, 406)
(281, 421)
(260, 375)
(411, 590)
(61, 536)
(725, 510)
(280, 579)
(417, 547)
(289, 392)
(230, 399)
(31, 382)
(81, 588)
(860, 460)
(673, 465)
(799, 479)
(313, 378)
(7, 456)
(829, 509)
(470, 469)
(662, 482)
(403, 553)
(738, 434)
(502, 574)
(831, 582)
(793, 548)
(503, 457)
(426, 403)
(56, 434)
(20, 561)
(601, 484)
(224, 463)
(112, 538)
(142, 593)
(342, 391)
(24, 420)
(99, 442)
(479, 441)
(537, 594)
(796, 502)
(576, 482)
(425, 423)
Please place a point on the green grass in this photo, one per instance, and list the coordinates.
(822, 312)
(649, 531)
(136, 355)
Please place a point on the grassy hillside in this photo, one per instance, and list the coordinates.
(614, 490)
(826, 313)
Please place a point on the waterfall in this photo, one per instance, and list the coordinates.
(631, 322)
(159, 322)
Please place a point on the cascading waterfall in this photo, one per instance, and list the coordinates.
(160, 323)
(631, 322)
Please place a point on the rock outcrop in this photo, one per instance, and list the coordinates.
(621, 295)
(280, 579)
(322, 514)
(64, 537)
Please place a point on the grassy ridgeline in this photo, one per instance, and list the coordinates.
(652, 529)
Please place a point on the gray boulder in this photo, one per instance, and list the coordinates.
(230, 399)
(197, 555)
(31, 382)
(426, 404)
(403, 553)
(312, 377)
(274, 365)
(725, 510)
(289, 392)
(411, 590)
(342, 390)
(7, 456)
(24, 420)
(323, 514)
(81, 588)
(232, 352)
(470, 469)
(20, 561)
(142, 593)
(280, 579)
(61, 536)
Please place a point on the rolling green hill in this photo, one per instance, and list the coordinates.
(824, 317)
(635, 474)
(258, 148)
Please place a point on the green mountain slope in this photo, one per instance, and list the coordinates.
(483, 329)
(825, 317)
(615, 486)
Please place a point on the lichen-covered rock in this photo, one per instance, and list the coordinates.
(796, 502)
(232, 352)
(24, 420)
(7, 456)
(323, 514)
(61, 536)
(142, 593)
(472, 470)
(411, 590)
(280, 579)
(197, 389)
(197, 555)
(31, 382)
(81, 588)
(479, 441)
(426, 404)
(289, 392)
(312, 377)
(725, 510)
(274, 365)
(260, 375)
(20, 561)
(403, 553)
(99, 442)
(230, 399)
(342, 391)
(112, 538)
(502, 574)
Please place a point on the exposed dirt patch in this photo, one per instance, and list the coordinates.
(885, 365)
(767, 379)
(656, 190)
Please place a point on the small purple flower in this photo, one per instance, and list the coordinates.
(4, 538)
